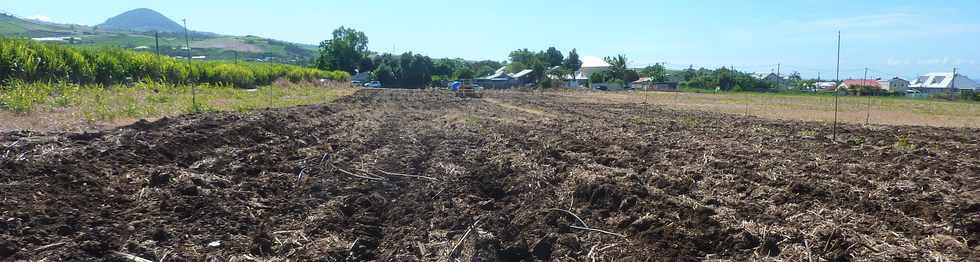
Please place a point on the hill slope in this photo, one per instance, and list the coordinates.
(128, 31)
(142, 20)
(14, 26)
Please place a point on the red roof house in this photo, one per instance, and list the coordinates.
(856, 83)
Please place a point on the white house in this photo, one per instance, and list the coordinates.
(590, 65)
(593, 64)
(894, 85)
(932, 83)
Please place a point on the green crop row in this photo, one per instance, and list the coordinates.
(30, 61)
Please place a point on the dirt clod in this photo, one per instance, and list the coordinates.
(7, 248)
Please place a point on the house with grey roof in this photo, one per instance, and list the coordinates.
(896, 84)
(501, 79)
(934, 83)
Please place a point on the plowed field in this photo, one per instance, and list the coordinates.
(424, 176)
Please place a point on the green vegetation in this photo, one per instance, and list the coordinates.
(95, 103)
(445, 69)
(656, 73)
(550, 67)
(902, 143)
(346, 51)
(245, 48)
(407, 70)
(618, 72)
(724, 79)
(28, 61)
(10, 25)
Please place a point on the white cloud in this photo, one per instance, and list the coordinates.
(873, 21)
(946, 61)
(42, 18)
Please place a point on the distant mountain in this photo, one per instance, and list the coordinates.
(142, 20)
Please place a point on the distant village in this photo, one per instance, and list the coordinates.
(924, 85)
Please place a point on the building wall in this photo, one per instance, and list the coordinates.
(588, 71)
(607, 86)
(895, 85)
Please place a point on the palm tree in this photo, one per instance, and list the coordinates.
(617, 66)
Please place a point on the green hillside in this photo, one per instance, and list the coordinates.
(14, 26)
(209, 45)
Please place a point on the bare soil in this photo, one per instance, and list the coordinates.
(413, 176)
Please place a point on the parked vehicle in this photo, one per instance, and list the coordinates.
(373, 84)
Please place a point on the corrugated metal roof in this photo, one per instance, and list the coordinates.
(936, 80)
(522, 73)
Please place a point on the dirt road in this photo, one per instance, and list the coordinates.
(424, 176)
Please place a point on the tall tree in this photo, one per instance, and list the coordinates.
(617, 66)
(385, 74)
(553, 57)
(345, 51)
(465, 73)
(523, 56)
(657, 72)
(572, 62)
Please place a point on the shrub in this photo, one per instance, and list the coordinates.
(29, 61)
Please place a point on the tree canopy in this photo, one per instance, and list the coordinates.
(407, 70)
(619, 69)
(656, 73)
(346, 51)
(572, 63)
(553, 57)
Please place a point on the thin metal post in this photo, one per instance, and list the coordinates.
(778, 77)
(156, 37)
(836, 86)
(867, 121)
(190, 69)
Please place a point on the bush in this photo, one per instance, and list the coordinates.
(29, 61)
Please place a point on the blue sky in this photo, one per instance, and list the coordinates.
(893, 38)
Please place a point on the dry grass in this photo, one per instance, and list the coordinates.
(884, 110)
(227, 43)
(82, 108)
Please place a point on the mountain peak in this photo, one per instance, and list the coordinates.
(142, 20)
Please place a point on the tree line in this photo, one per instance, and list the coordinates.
(30, 61)
(347, 50)
(724, 79)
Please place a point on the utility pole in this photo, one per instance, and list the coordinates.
(187, 40)
(156, 36)
(836, 85)
(867, 120)
(952, 85)
(236, 57)
(778, 76)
